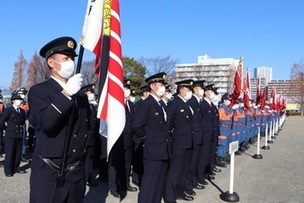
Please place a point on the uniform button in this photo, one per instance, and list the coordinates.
(87, 120)
(84, 150)
(85, 135)
(75, 135)
(74, 150)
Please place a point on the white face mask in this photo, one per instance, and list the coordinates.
(91, 97)
(169, 96)
(17, 102)
(127, 93)
(188, 95)
(212, 95)
(22, 96)
(132, 99)
(201, 93)
(67, 69)
(227, 102)
(161, 91)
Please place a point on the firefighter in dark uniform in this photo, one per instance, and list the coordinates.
(12, 122)
(137, 161)
(150, 125)
(197, 123)
(210, 133)
(22, 91)
(93, 147)
(51, 104)
(121, 154)
(180, 116)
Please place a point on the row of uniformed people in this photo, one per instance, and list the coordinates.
(240, 123)
(177, 142)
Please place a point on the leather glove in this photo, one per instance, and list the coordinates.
(74, 84)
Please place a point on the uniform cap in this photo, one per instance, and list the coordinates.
(240, 100)
(226, 96)
(199, 83)
(144, 88)
(185, 83)
(61, 45)
(158, 77)
(89, 87)
(15, 96)
(168, 88)
(209, 87)
(127, 83)
(21, 90)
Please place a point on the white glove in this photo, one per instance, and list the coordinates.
(74, 84)
(235, 106)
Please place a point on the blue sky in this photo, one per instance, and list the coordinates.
(265, 33)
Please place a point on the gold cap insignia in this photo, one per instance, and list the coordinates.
(70, 44)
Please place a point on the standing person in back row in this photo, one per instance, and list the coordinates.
(51, 104)
(210, 133)
(12, 122)
(180, 116)
(150, 125)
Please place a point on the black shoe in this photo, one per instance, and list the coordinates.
(211, 173)
(9, 175)
(210, 177)
(115, 194)
(199, 187)
(23, 159)
(221, 164)
(170, 202)
(190, 192)
(187, 198)
(135, 182)
(238, 153)
(202, 183)
(21, 171)
(132, 189)
(92, 184)
(216, 170)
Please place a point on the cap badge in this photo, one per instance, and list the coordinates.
(70, 44)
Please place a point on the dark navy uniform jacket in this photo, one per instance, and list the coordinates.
(210, 119)
(49, 113)
(12, 122)
(180, 122)
(128, 130)
(197, 120)
(149, 122)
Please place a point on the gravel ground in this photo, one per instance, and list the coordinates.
(277, 178)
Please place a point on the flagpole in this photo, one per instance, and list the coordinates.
(69, 131)
(80, 56)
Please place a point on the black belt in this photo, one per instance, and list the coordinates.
(55, 167)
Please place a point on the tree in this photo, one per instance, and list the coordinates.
(296, 88)
(38, 71)
(88, 72)
(159, 64)
(134, 71)
(19, 72)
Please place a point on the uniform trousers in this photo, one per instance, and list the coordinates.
(128, 161)
(177, 174)
(191, 180)
(137, 163)
(117, 171)
(48, 192)
(204, 159)
(153, 181)
(13, 149)
(223, 144)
